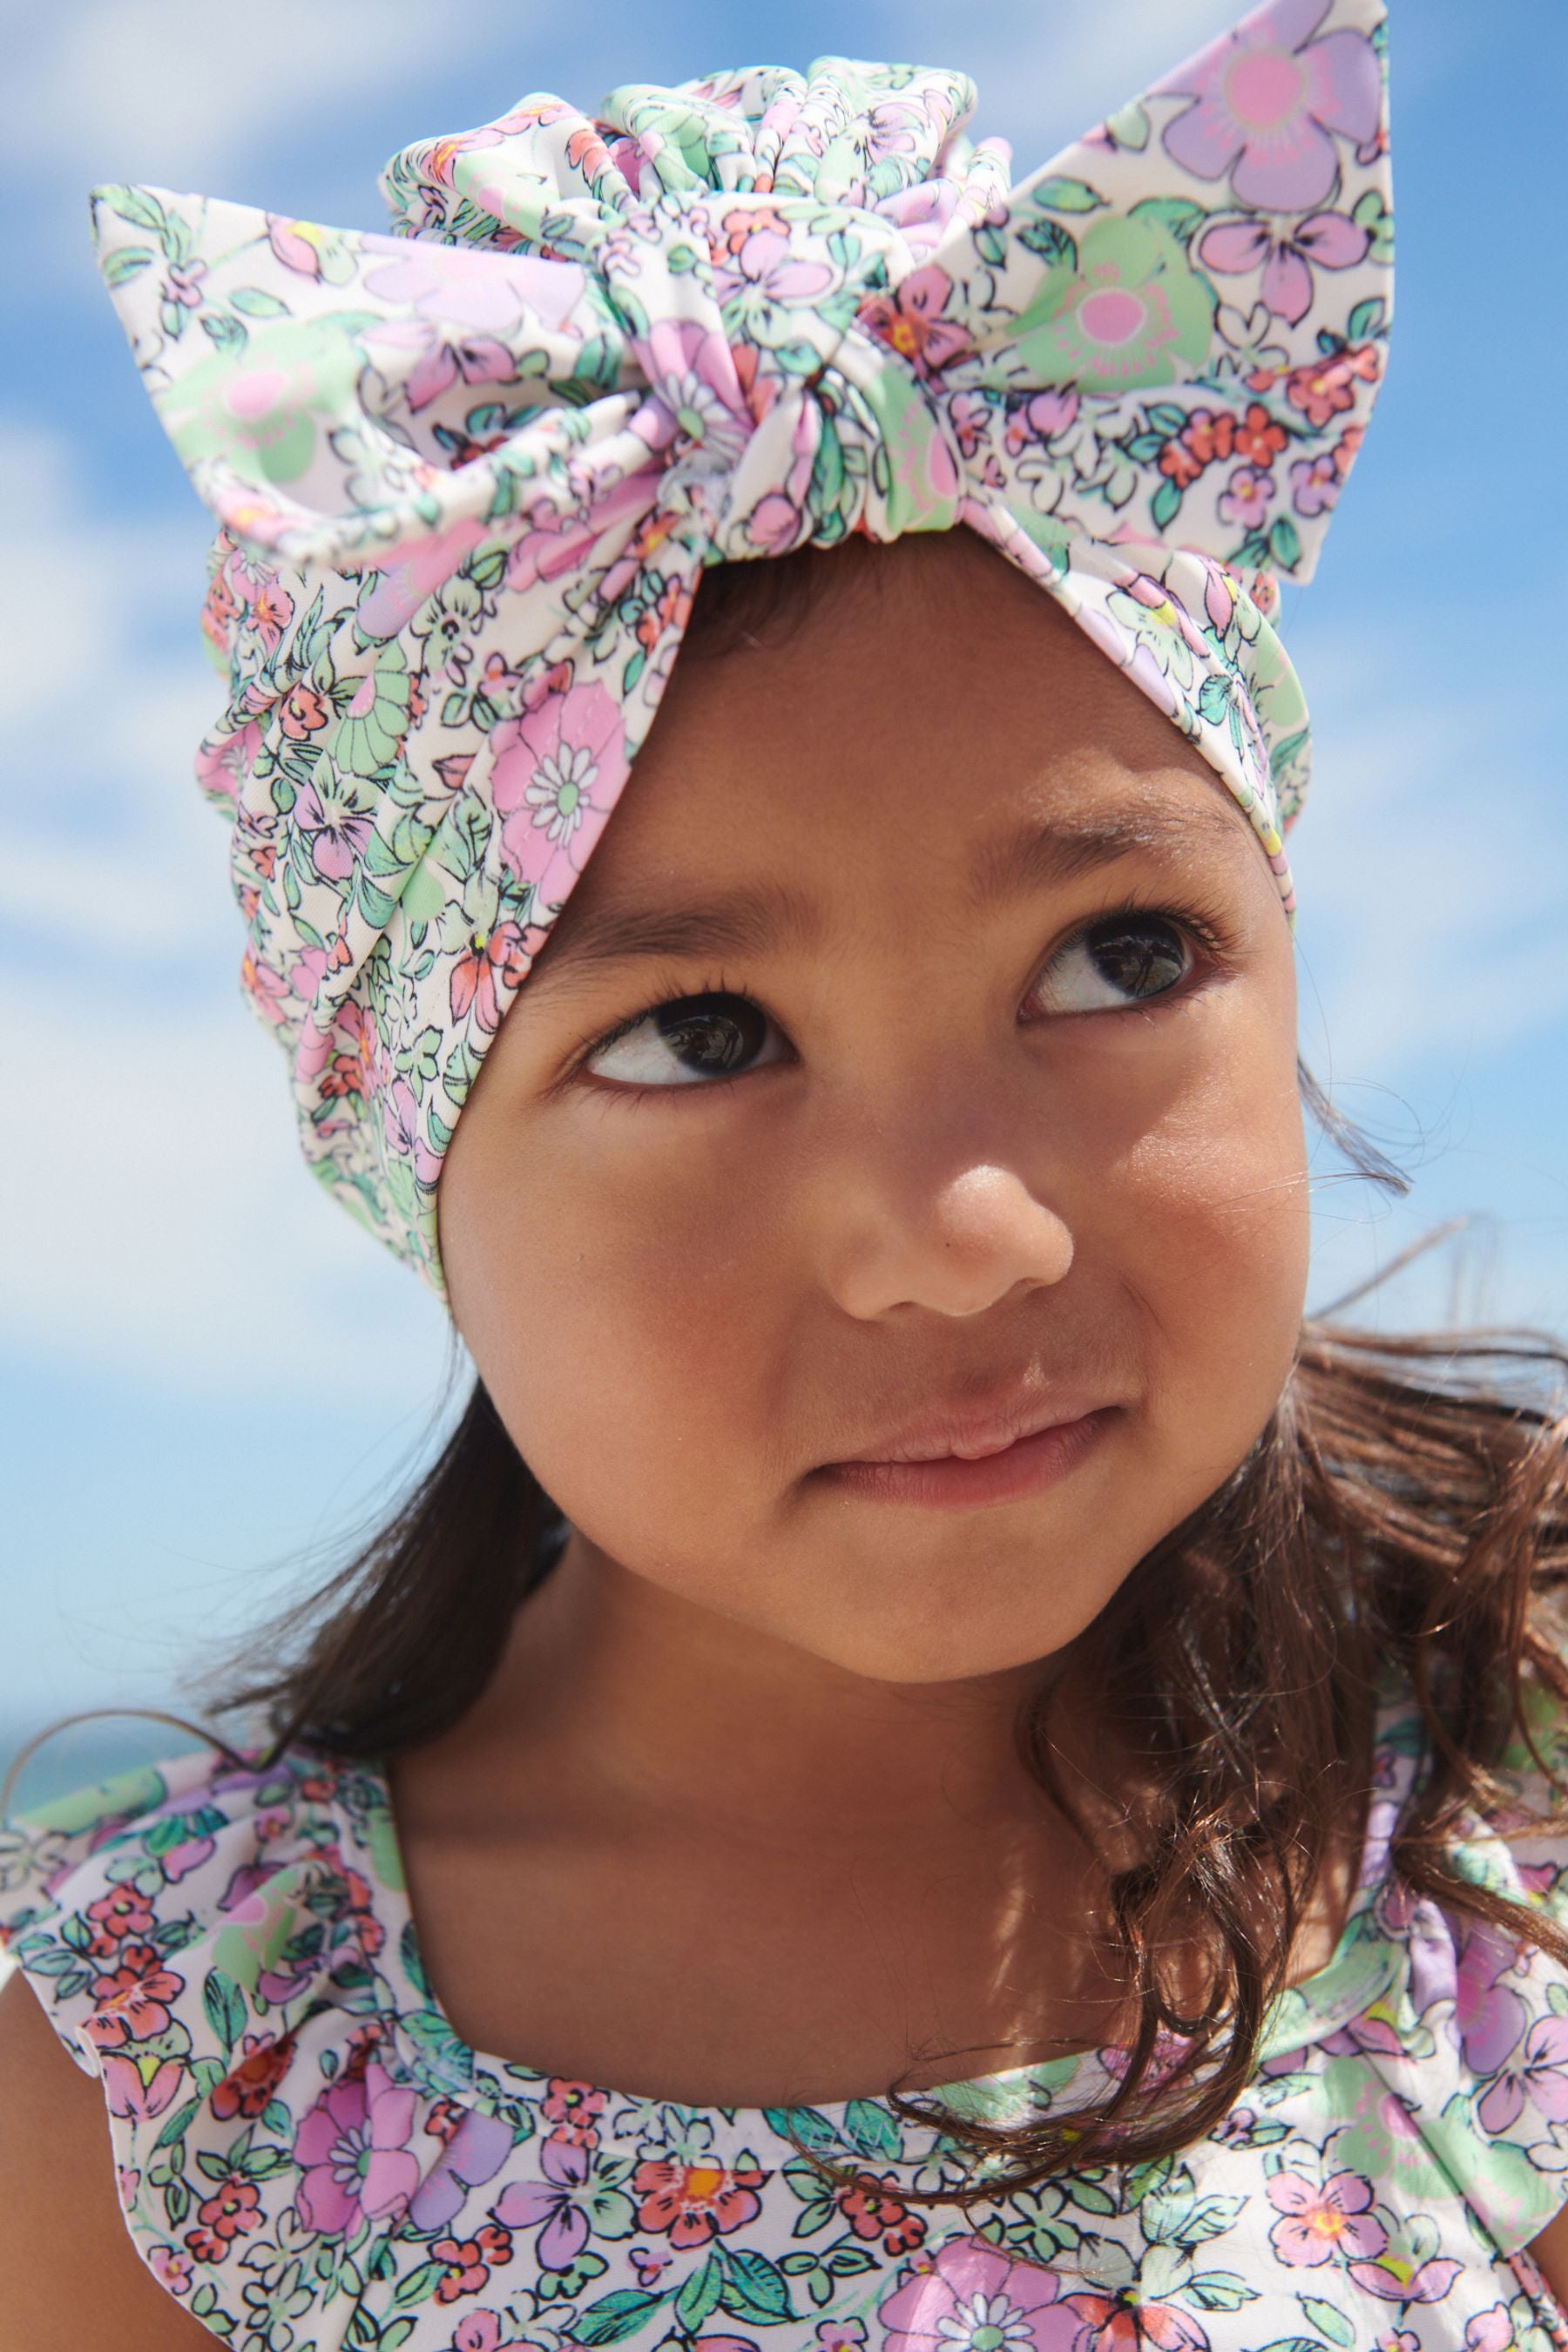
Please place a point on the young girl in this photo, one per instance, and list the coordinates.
(931, 1768)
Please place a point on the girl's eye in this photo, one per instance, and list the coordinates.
(1122, 960)
(692, 1038)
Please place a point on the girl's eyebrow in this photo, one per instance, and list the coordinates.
(763, 916)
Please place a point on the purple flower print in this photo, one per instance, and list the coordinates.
(475, 2153)
(336, 830)
(1539, 2075)
(1287, 256)
(1316, 2224)
(1314, 483)
(1397, 2283)
(554, 2201)
(972, 2295)
(1266, 101)
(1246, 499)
(1488, 2017)
(352, 2149)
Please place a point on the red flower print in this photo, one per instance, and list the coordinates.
(573, 2109)
(132, 1997)
(247, 2087)
(1259, 439)
(232, 2213)
(694, 2203)
(887, 2218)
(303, 712)
(910, 321)
(114, 1917)
(1114, 2324)
(470, 2261)
(492, 956)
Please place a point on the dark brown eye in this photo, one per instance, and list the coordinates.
(1123, 960)
(682, 1043)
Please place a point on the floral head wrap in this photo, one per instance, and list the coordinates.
(467, 475)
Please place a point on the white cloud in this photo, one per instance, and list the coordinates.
(166, 89)
(160, 1216)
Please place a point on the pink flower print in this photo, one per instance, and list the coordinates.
(183, 285)
(128, 2094)
(172, 2268)
(694, 2203)
(472, 289)
(910, 319)
(648, 2264)
(1314, 483)
(470, 2261)
(265, 987)
(693, 372)
(479, 2332)
(547, 765)
(303, 712)
(352, 2149)
(1246, 499)
(475, 2153)
(771, 272)
(841, 2335)
(1316, 2224)
(1488, 2016)
(404, 1133)
(336, 830)
(1539, 2075)
(975, 2298)
(270, 614)
(1266, 100)
(1488, 2331)
(1285, 256)
(478, 358)
(1394, 2282)
(296, 244)
(552, 2202)
(1040, 419)
(969, 414)
(1398, 2339)
(132, 1998)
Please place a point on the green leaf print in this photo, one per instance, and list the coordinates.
(870, 2129)
(699, 2293)
(754, 2289)
(136, 205)
(1221, 2290)
(128, 262)
(256, 303)
(420, 2283)
(1332, 2322)
(1060, 195)
(224, 2006)
(615, 2316)
(177, 2126)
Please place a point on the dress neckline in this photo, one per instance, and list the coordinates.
(1362, 1967)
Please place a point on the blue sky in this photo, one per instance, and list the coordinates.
(206, 1368)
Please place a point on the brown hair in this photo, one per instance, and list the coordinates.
(1405, 1506)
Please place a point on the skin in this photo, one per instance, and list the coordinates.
(749, 1697)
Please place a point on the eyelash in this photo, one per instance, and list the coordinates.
(1202, 925)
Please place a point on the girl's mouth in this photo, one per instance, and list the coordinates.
(957, 1482)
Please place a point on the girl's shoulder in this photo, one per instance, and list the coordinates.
(208, 1936)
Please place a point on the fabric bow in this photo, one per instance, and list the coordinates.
(467, 475)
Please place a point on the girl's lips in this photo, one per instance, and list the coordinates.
(953, 1483)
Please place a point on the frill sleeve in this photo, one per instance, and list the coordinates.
(1485, 2018)
(202, 1948)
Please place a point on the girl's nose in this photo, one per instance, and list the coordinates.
(955, 1243)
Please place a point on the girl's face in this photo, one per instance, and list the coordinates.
(918, 1049)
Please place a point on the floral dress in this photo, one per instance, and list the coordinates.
(309, 2157)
